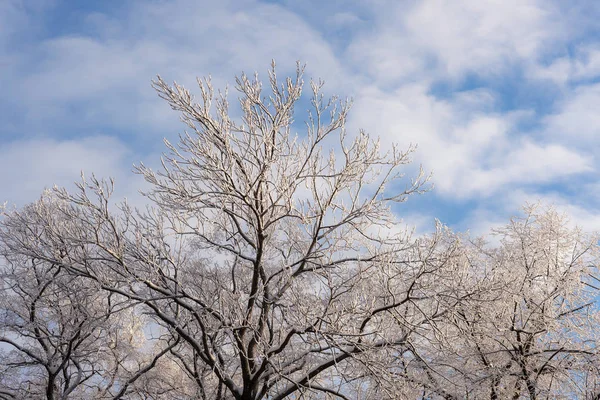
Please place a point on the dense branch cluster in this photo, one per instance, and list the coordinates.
(268, 268)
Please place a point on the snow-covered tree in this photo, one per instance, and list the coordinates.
(269, 264)
(530, 330)
(62, 336)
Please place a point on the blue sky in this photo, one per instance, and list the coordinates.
(500, 96)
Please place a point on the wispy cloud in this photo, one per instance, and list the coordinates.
(442, 39)
(499, 95)
(35, 164)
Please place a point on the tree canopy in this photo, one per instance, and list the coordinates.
(269, 265)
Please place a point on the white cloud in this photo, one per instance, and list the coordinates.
(579, 213)
(392, 54)
(450, 39)
(15, 14)
(84, 84)
(29, 166)
(526, 163)
(344, 19)
(496, 213)
(473, 153)
(479, 35)
(577, 120)
(583, 64)
(105, 79)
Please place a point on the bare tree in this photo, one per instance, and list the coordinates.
(278, 269)
(530, 331)
(63, 337)
(270, 267)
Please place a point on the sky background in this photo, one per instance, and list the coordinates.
(501, 96)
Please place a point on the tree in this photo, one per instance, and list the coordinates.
(530, 331)
(273, 266)
(64, 337)
(269, 267)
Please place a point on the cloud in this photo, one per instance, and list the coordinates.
(445, 39)
(576, 120)
(526, 163)
(31, 165)
(582, 64)
(69, 86)
(14, 14)
(81, 80)
(473, 152)
(499, 95)
(580, 212)
(344, 19)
